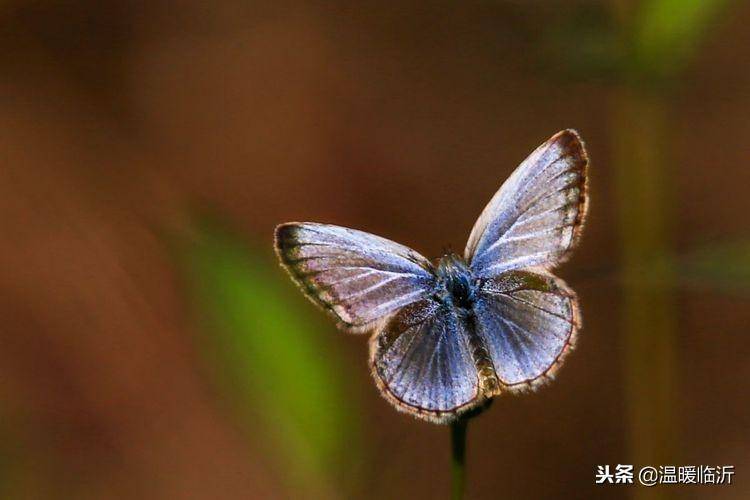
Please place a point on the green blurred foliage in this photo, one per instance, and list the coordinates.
(646, 42)
(723, 267)
(275, 356)
(666, 33)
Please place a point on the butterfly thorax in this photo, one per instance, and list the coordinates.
(456, 281)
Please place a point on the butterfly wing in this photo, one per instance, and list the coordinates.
(535, 218)
(422, 362)
(359, 277)
(529, 322)
(527, 317)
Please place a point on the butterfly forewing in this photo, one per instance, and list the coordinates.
(528, 321)
(359, 277)
(535, 217)
(422, 361)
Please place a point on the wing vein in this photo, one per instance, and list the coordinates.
(531, 205)
(535, 306)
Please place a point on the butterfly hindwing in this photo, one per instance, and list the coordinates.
(422, 361)
(359, 277)
(528, 320)
(536, 216)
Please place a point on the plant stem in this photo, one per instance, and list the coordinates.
(648, 314)
(458, 458)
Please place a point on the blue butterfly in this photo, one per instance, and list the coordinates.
(449, 337)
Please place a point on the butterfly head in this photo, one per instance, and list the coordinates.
(456, 280)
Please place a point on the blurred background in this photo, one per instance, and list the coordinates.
(151, 347)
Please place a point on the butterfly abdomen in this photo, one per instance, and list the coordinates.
(488, 381)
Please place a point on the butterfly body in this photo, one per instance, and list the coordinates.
(447, 338)
(459, 290)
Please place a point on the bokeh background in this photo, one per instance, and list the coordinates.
(151, 347)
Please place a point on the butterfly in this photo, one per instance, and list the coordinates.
(447, 337)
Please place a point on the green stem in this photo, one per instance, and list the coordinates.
(641, 130)
(458, 458)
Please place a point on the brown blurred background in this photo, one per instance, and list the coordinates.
(151, 347)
